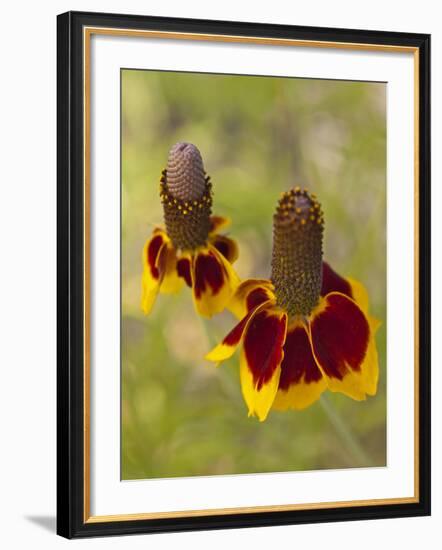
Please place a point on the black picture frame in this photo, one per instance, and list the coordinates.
(71, 520)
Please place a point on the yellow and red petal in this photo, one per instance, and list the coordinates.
(249, 294)
(261, 357)
(359, 294)
(217, 223)
(214, 281)
(184, 269)
(333, 282)
(227, 247)
(151, 251)
(154, 258)
(343, 343)
(171, 282)
(227, 347)
(301, 381)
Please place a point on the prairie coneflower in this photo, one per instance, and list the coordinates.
(305, 330)
(189, 250)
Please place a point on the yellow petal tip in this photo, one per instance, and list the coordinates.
(213, 355)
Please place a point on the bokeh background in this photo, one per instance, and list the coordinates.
(258, 136)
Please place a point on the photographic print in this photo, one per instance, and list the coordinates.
(253, 274)
(243, 274)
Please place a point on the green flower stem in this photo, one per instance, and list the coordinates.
(344, 432)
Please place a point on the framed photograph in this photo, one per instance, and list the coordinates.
(243, 274)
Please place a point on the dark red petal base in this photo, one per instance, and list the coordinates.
(263, 342)
(298, 362)
(209, 273)
(153, 250)
(255, 298)
(332, 282)
(226, 246)
(340, 336)
(222, 247)
(183, 270)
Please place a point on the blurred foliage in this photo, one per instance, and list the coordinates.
(258, 136)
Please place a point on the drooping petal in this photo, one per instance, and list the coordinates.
(333, 282)
(227, 247)
(261, 357)
(249, 294)
(343, 343)
(153, 259)
(184, 269)
(227, 347)
(217, 223)
(171, 282)
(214, 281)
(301, 382)
(359, 294)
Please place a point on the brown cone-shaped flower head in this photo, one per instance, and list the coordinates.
(185, 191)
(298, 227)
(185, 172)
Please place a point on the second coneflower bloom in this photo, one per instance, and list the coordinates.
(189, 250)
(305, 330)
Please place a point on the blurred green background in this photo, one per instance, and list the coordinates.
(258, 136)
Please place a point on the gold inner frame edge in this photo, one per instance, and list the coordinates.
(87, 33)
